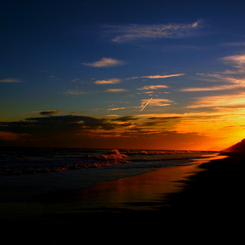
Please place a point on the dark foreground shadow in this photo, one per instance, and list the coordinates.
(216, 194)
(212, 200)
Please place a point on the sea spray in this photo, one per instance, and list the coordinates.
(113, 157)
(69, 169)
(21, 160)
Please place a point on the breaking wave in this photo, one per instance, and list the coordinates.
(114, 157)
(15, 161)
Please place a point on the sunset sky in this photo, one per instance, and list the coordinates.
(145, 74)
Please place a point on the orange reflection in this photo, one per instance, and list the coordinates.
(136, 192)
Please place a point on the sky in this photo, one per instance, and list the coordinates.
(148, 74)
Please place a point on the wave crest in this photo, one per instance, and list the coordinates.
(114, 157)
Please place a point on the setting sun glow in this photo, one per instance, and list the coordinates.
(91, 78)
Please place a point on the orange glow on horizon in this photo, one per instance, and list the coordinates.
(211, 130)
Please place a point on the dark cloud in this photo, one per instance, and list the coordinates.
(82, 122)
(85, 131)
(157, 120)
(148, 124)
(125, 119)
(62, 131)
(163, 118)
(48, 112)
(51, 125)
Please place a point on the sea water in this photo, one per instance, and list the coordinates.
(32, 171)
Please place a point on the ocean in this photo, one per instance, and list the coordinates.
(62, 196)
(26, 172)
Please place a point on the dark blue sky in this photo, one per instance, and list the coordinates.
(107, 59)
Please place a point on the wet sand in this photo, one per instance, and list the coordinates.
(209, 193)
(217, 192)
(123, 197)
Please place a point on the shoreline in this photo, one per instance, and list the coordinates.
(128, 195)
(217, 190)
(210, 190)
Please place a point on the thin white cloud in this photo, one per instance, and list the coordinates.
(235, 100)
(189, 114)
(109, 81)
(116, 90)
(116, 108)
(10, 80)
(235, 44)
(157, 76)
(214, 88)
(157, 102)
(233, 78)
(131, 78)
(237, 61)
(105, 62)
(130, 32)
(163, 76)
(74, 92)
(149, 87)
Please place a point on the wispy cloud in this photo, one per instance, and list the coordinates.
(74, 92)
(233, 78)
(184, 115)
(163, 76)
(235, 100)
(116, 108)
(157, 102)
(157, 76)
(149, 87)
(105, 62)
(109, 81)
(131, 78)
(116, 90)
(234, 44)
(10, 80)
(112, 115)
(212, 88)
(130, 32)
(237, 61)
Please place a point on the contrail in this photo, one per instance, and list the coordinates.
(146, 104)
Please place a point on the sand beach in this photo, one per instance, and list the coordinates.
(208, 191)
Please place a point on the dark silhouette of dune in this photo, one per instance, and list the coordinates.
(239, 147)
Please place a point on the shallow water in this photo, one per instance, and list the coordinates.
(136, 185)
(92, 168)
